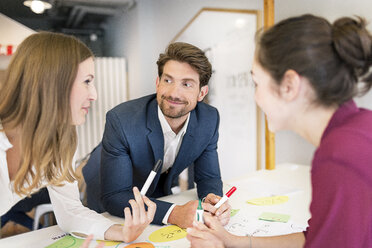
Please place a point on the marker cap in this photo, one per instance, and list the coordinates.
(158, 165)
(231, 191)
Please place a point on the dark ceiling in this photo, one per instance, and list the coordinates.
(66, 15)
(85, 19)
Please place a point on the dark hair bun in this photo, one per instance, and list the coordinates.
(353, 44)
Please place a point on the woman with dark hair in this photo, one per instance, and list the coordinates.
(306, 72)
(47, 91)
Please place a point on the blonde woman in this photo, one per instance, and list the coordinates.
(47, 91)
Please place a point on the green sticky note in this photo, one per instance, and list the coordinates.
(234, 212)
(274, 217)
(67, 241)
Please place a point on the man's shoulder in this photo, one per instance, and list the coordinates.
(134, 106)
(203, 109)
(132, 113)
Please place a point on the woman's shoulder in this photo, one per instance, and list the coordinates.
(351, 139)
(354, 128)
(348, 145)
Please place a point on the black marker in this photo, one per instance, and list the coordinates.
(151, 177)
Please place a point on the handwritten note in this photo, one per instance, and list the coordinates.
(67, 241)
(263, 201)
(168, 233)
(244, 223)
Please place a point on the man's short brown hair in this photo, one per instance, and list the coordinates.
(187, 53)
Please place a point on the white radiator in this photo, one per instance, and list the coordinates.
(112, 89)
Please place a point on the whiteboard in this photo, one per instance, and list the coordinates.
(227, 37)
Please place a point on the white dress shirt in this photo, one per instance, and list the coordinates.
(172, 141)
(70, 213)
(172, 144)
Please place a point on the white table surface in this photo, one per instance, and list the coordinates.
(287, 179)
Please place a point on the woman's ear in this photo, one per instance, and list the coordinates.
(290, 85)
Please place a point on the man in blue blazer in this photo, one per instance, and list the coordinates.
(172, 125)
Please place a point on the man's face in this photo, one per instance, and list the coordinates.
(178, 89)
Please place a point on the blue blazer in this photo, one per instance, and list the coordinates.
(132, 143)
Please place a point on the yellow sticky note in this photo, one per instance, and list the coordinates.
(269, 200)
(140, 245)
(168, 233)
(109, 243)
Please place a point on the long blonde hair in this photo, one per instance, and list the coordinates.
(35, 97)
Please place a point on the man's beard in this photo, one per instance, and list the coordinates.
(171, 112)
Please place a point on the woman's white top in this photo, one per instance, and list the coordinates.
(70, 213)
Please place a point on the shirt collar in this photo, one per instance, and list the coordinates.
(341, 114)
(165, 125)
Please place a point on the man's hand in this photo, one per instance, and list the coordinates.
(222, 213)
(183, 215)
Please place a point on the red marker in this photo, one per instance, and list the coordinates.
(225, 197)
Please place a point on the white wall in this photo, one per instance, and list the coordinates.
(330, 9)
(12, 33)
(290, 147)
(144, 31)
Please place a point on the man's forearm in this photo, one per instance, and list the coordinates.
(162, 208)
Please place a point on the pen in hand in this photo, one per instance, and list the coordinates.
(199, 212)
(225, 197)
(151, 177)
